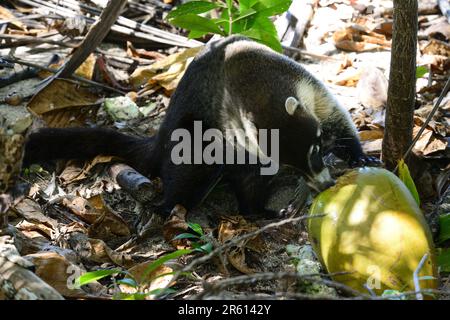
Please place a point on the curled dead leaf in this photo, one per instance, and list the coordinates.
(234, 226)
(157, 279)
(105, 224)
(166, 72)
(61, 102)
(60, 273)
(176, 224)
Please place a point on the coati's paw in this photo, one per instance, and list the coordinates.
(366, 160)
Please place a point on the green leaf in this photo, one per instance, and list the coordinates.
(264, 31)
(444, 227)
(247, 13)
(421, 71)
(196, 23)
(152, 267)
(128, 282)
(443, 259)
(205, 248)
(405, 176)
(273, 7)
(196, 227)
(161, 291)
(246, 4)
(229, 4)
(89, 277)
(192, 7)
(194, 34)
(186, 236)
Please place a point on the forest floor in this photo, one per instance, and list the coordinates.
(74, 217)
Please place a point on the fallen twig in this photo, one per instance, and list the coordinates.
(94, 37)
(131, 181)
(268, 276)
(75, 77)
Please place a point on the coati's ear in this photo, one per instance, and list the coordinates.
(291, 105)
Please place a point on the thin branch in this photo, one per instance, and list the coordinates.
(427, 121)
(419, 295)
(94, 37)
(268, 276)
(75, 77)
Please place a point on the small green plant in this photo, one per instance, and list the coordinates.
(250, 18)
(405, 176)
(201, 245)
(421, 71)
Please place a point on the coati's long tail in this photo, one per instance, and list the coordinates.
(86, 143)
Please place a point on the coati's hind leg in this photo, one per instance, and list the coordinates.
(187, 184)
(252, 190)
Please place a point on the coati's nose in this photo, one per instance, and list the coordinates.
(326, 185)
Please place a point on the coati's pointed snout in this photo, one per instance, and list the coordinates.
(322, 180)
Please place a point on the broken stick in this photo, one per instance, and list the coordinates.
(134, 183)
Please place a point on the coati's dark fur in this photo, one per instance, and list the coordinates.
(232, 83)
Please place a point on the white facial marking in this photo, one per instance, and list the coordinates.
(291, 105)
(310, 151)
(318, 133)
(323, 176)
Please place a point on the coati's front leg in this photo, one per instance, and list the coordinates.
(252, 190)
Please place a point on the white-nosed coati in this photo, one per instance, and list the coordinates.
(234, 83)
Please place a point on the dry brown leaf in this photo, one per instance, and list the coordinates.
(34, 230)
(104, 223)
(349, 45)
(428, 142)
(157, 279)
(439, 64)
(424, 139)
(101, 253)
(166, 72)
(175, 225)
(85, 70)
(231, 227)
(372, 146)
(437, 47)
(61, 95)
(73, 172)
(440, 30)
(348, 77)
(32, 212)
(372, 88)
(58, 272)
(371, 135)
(142, 53)
(384, 28)
(358, 38)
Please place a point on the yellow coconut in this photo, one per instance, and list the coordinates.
(373, 229)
